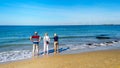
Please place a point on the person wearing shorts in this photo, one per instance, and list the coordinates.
(56, 44)
(35, 39)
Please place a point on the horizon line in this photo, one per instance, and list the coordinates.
(60, 25)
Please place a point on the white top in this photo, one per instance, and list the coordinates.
(46, 38)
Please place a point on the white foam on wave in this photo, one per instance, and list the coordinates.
(14, 55)
(93, 46)
(77, 47)
(102, 44)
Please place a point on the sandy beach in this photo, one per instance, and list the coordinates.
(97, 59)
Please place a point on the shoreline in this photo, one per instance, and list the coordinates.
(103, 58)
(21, 54)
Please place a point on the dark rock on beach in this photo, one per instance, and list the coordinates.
(90, 44)
(110, 42)
(116, 41)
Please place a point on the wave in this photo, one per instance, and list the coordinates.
(63, 37)
(10, 40)
(14, 55)
(8, 45)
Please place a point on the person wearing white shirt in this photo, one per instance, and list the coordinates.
(46, 41)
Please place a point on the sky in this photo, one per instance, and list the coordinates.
(59, 12)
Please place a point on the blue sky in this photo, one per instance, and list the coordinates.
(59, 12)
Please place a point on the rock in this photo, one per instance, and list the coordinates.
(110, 42)
(116, 41)
(90, 44)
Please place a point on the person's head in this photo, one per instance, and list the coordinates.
(46, 34)
(55, 34)
(36, 33)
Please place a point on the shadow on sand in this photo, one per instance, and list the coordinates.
(60, 50)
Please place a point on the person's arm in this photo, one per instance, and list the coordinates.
(54, 38)
(44, 38)
(49, 38)
(39, 39)
(57, 38)
(31, 39)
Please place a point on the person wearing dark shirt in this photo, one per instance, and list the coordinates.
(35, 39)
(55, 44)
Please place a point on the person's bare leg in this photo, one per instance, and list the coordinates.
(57, 48)
(44, 49)
(54, 47)
(37, 50)
(47, 49)
(33, 52)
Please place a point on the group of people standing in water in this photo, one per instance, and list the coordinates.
(46, 40)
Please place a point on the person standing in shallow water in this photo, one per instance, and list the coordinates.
(56, 44)
(35, 39)
(46, 41)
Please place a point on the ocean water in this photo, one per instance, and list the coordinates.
(15, 43)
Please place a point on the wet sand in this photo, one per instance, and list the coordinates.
(97, 59)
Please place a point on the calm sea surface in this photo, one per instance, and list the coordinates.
(67, 34)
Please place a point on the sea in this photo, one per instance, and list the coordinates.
(15, 41)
